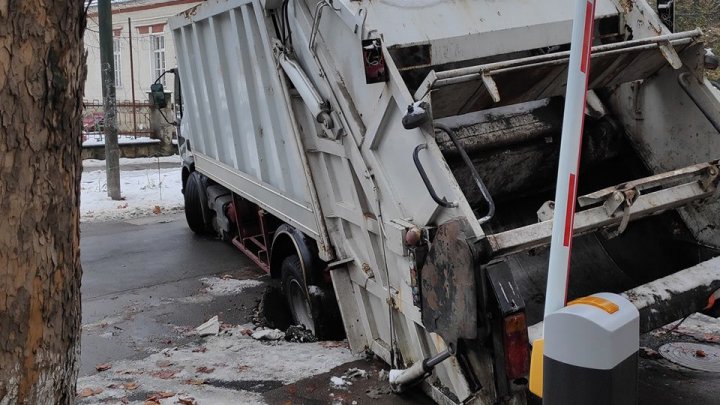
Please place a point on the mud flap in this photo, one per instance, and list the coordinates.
(448, 287)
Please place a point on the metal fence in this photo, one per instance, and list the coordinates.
(133, 118)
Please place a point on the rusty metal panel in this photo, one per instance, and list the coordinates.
(449, 292)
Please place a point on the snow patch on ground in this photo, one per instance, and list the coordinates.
(147, 192)
(201, 371)
(98, 139)
(218, 286)
(99, 164)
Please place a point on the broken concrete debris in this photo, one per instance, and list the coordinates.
(339, 382)
(268, 334)
(209, 328)
(356, 373)
(299, 334)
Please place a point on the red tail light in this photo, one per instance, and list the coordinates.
(515, 341)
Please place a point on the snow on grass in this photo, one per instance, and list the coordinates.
(146, 192)
(98, 139)
(202, 370)
(97, 164)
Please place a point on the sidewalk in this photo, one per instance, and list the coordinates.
(149, 186)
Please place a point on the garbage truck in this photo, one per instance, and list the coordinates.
(392, 164)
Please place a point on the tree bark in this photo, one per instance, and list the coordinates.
(42, 75)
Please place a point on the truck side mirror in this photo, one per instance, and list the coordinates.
(157, 95)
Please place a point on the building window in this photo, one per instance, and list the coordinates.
(157, 55)
(117, 61)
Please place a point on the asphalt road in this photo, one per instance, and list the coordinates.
(139, 273)
(137, 266)
(142, 292)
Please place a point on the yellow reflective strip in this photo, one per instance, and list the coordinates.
(598, 302)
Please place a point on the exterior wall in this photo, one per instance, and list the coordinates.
(148, 17)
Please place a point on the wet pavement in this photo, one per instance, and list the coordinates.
(664, 382)
(149, 282)
(133, 274)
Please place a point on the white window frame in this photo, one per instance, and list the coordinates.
(157, 56)
(117, 59)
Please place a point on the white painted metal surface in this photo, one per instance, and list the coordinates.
(465, 29)
(242, 134)
(253, 118)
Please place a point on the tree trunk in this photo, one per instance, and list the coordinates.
(42, 75)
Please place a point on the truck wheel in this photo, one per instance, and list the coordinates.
(317, 312)
(195, 204)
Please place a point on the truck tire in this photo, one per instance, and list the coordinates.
(195, 204)
(317, 312)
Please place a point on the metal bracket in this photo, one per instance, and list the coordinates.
(668, 51)
(491, 87)
(546, 211)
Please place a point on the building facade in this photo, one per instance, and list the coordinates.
(153, 52)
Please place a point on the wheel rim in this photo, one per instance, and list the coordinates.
(300, 306)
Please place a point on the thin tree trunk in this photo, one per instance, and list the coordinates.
(42, 75)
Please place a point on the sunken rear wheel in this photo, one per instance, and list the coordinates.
(311, 306)
(195, 203)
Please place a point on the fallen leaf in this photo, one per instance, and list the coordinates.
(648, 353)
(199, 350)
(103, 367)
(195, 381)
(165, 394)
(112, 386)
(164, 374)
(700, 353)
(131, 386)
(241, 367)
(204, 369)
(247, 332)
(151, 402)
(157, 210)
(86, 392)
(187, 401)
